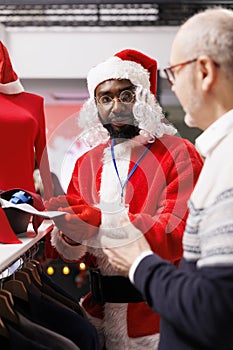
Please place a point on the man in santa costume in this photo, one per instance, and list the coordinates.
(138, 171)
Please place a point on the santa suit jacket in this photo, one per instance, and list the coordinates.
(157, 195)
(22, 139)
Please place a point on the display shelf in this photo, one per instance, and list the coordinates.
(9, 253)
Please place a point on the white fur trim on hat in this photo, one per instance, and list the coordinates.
(116, 68)
(14, 87)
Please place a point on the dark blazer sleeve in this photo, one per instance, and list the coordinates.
(195, 302)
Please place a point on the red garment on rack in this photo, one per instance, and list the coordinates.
(7, 235)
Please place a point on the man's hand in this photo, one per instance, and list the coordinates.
(81, 221)
(61, 202)
(121, 253)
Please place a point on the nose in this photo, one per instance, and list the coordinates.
(117, 105)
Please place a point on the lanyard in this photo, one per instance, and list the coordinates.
(132, 171)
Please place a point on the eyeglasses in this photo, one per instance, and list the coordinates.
(169, 70)
(125, 97)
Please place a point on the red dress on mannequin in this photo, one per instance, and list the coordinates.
(22, 133)
(22, 139)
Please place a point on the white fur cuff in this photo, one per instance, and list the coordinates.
(72, 253)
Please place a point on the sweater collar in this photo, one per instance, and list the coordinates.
(211, 137)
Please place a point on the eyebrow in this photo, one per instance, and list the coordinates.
(107, 92)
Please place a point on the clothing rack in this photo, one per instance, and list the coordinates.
(10, 254)
(35, 312)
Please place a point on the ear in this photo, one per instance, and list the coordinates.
(207, 71)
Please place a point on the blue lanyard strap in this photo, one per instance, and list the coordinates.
(132, 171)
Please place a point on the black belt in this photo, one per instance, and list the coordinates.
(113, 289)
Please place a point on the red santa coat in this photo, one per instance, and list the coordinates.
(157, 195)
(22, 138)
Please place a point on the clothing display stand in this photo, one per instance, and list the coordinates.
(11, 253)
(35, 312)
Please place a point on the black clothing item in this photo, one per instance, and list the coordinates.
(31, 336)
(51, 314)
(54, 290)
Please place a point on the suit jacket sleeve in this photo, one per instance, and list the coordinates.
(196, 303)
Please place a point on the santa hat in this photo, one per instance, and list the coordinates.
(129, 64)
(9, 82)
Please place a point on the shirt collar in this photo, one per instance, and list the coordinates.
(214, 133)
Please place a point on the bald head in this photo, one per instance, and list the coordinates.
(202, 56)
(208, 33)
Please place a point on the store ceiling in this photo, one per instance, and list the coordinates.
(102, 13)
